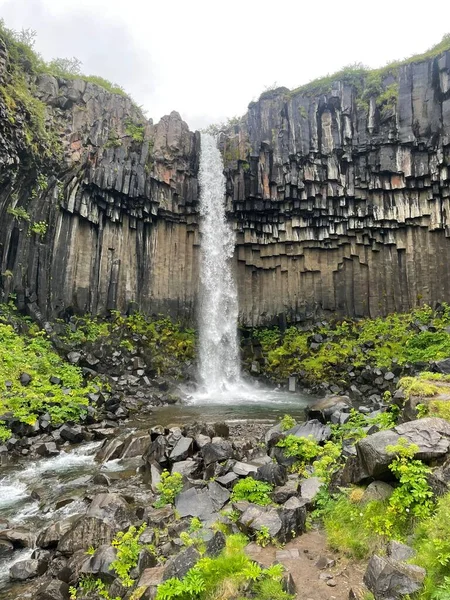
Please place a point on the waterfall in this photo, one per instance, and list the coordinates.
(219, 365)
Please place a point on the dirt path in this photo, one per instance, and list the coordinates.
(301, 558)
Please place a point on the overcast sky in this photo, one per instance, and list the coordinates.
(208, 59)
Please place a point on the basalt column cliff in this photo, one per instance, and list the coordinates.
(338, 192)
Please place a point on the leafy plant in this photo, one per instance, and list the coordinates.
(252, 490)
(128, 548)
(32, 353)
(263, 537)
(39, 228)
(226, 576)
(19, 213)
(195, 525)
(301, 448)
(134, 130)
(287, 422)
(169, 487)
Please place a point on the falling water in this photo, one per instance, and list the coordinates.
(219, 351)
(222, 384)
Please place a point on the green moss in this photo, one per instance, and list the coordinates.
(33, 354)
(348, 345)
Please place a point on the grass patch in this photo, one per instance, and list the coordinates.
(432, 544)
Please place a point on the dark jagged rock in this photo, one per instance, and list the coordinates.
(99, 563)
(180, 564)
(313, 428)
(389, 579)
(217, 451)
(27, 569)
(272, 473)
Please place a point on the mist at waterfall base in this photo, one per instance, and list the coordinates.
(222, 387)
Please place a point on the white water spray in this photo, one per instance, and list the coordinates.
(218, 344)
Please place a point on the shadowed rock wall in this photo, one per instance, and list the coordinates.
(339, 205)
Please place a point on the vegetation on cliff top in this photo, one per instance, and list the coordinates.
(381, 83)
(331, 351)
(18, 89)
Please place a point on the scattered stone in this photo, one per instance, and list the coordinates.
(323, 562)
(400, 552)
(273, 473)
(25, 379)
(217, 451)
(389, 579)
(54, 589)
(244, 469)
(99, 563)
(313, 428)
(27, 569)
(218, 494)
(377, 490)
(227, 480)
(72, 433)
(179, 565)
(309, 488)
(182, 449)
(194, 503)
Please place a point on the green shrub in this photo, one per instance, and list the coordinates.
(169, 487)
(128, 548)
(226, 576)
(252, 490)
(33, 354)
(287, 422)
(301, 448)
(39, 228)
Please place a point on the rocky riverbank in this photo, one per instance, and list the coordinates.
(184, 494)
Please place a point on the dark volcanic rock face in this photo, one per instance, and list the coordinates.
(340, 205)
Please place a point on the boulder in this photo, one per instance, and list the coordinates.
(99, 563)
(218, 494)
(53, 589)
(194, 503)
(389, 579)
(182, 449)
(283, 523)
(135, 445)
(372, 454)
(431, 434)
(323, 409)
(149, 580)
(216, 451)
(187, 468)
(377, 490)
(282, 493)
(244, 469)
(314, 429)
(107, 514)
(110, 450)
(72, 433)
(50, 536)
(27, 569)
(227, 480)
(273, 473)
(157, 451)
(400, 552)
(46, 449)
(309, 488)
(216, 544)
(179, 565)
(442, 366)
(19, 537)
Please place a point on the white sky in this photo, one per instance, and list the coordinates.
(209, 59)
